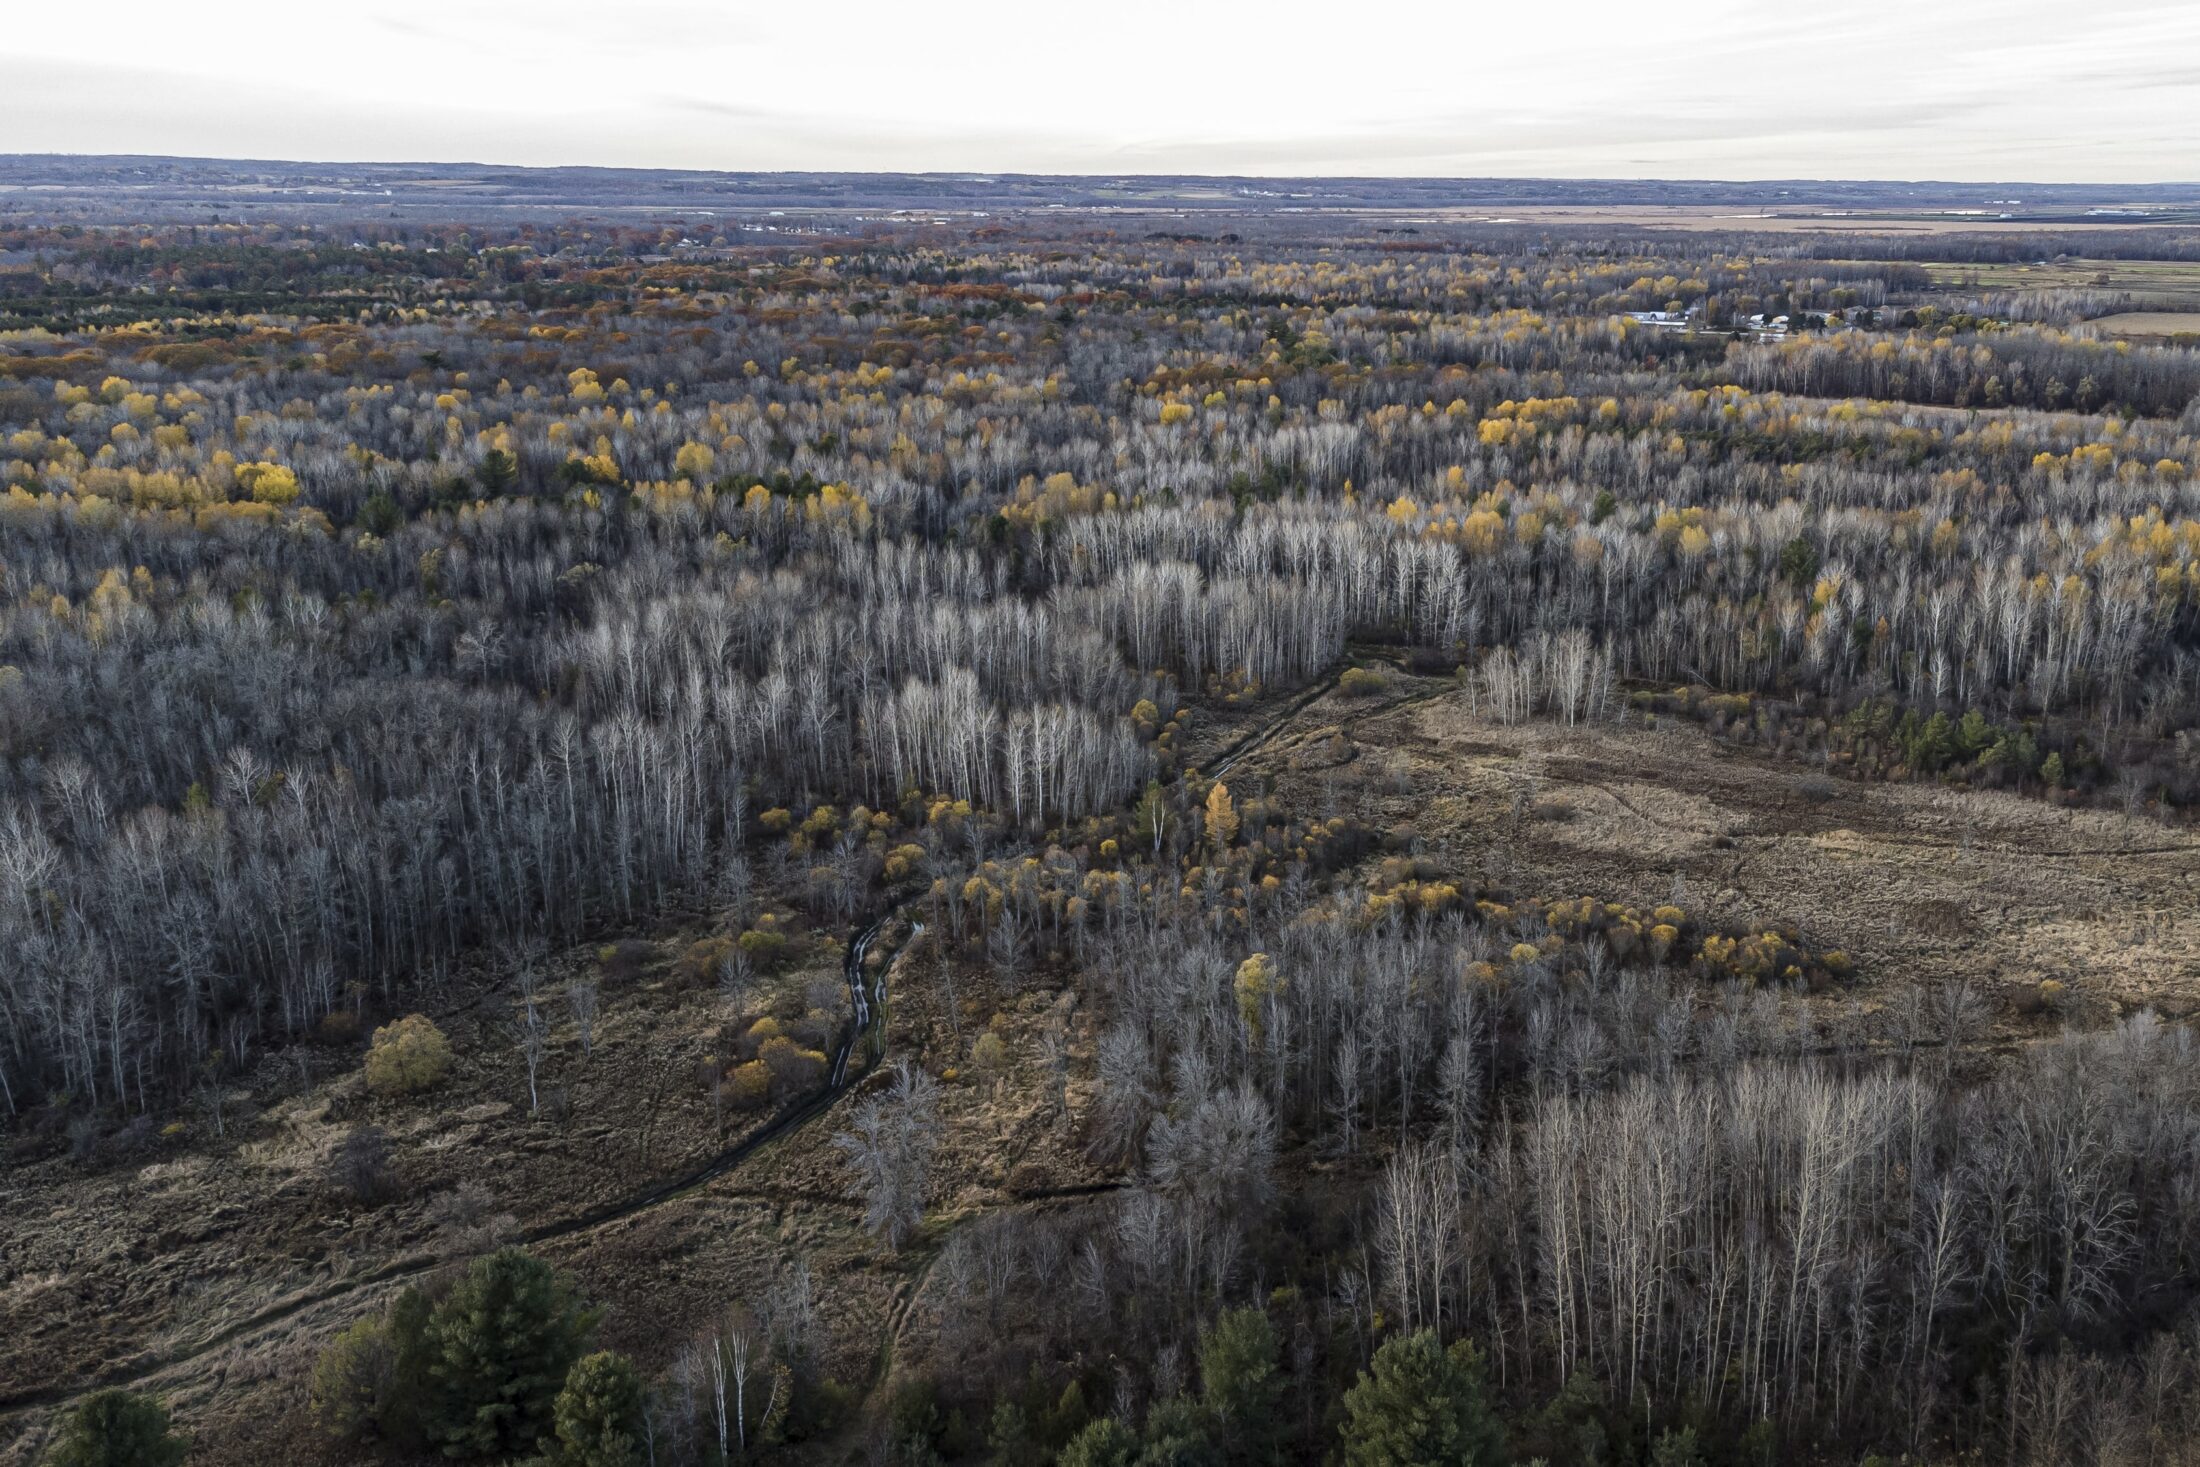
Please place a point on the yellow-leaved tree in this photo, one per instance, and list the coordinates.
(407, 1057)
(268, 483)
(1256, 979)
(693, 462)
(1222, 820)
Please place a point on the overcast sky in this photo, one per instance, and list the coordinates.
(2107, 91)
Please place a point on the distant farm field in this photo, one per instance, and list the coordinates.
(2150, 323)
(1773, 219)
(2158, 283)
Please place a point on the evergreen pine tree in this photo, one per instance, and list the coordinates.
(1421, 1405)
(1103, 1443)
(499, 1349)
(1177, 1436)
(599, 1414)
(117, 1429)
(1240, 1383)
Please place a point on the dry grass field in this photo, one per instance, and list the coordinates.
(1772, 220)
(2167, 284)
(2150, 324)
(1917, 881)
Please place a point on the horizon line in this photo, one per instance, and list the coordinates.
(977, 174)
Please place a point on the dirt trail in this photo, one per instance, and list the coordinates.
(1264, 738)
(866, 1012)
(867, 1003)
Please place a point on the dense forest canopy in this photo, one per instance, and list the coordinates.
(373, 597)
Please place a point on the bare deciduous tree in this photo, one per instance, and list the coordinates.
(532, 1034)
(581, 999)
(889, 1146)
